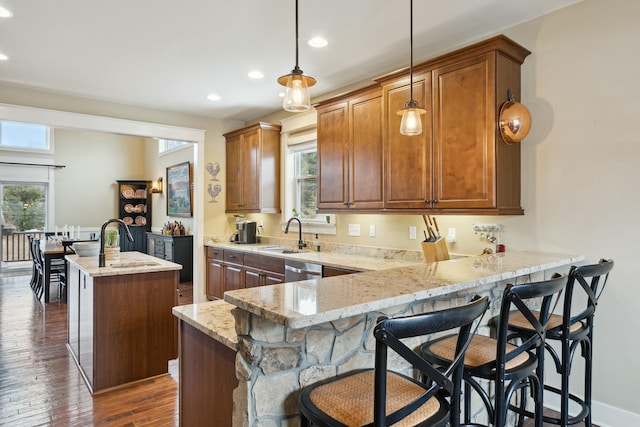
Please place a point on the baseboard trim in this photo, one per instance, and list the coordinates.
(604, 415)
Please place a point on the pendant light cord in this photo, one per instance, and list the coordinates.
(411, 48)
(297, 34)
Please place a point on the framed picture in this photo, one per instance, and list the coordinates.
(179, 190)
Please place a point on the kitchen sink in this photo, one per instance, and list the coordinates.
(133, 264)
(279, 249)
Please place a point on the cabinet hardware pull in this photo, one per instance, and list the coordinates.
(435, 200)
(427, 201)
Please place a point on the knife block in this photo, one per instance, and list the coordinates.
(435, 251)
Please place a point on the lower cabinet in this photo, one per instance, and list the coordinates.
(139, 243)
(120, 328)
(207, 379)
(178, 249)
(328, 271)
(229, 269)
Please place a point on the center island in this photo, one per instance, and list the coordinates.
(120, 327)
(256, 349)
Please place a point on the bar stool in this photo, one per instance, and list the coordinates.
(510, 367)
(572, 331)
(380, 397)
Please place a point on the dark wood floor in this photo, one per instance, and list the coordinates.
(41, 386)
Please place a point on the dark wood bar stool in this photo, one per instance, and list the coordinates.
(510, 367)
(572, 330)
(380, 397)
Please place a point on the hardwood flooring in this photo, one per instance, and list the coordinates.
(40, 385)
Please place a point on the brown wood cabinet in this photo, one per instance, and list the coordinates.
(350, 165)
(229, 269)
(207, 379)
(118, 319)
(459, 164)
(253, 169)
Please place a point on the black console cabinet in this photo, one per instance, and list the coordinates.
(178, 249)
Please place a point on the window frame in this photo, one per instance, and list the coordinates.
(162, 146)
(48, 139)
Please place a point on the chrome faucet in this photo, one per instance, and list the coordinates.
(301, 243)
(101, 258)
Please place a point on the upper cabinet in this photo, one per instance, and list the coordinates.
(459, 164)
(350, 154)
(253, 169)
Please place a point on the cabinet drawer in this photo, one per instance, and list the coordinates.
(264, 262)
(215, 253)
(233, 257)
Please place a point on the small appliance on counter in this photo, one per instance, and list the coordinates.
(246, 232)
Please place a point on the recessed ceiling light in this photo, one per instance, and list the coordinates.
(5, 13)
(214, 97)
(3, 57)
(255, 74)
(317, 42)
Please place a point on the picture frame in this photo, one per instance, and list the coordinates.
(179, 198)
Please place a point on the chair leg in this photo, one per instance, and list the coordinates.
(588, 367)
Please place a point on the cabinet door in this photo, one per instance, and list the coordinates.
(464, 125)
(272, 278)
(85, 343)
(250, 169)
(73, 309)
(407, 158)
(151, 245)
(234, 179)
(333, 171)
(215, 279)
(233, 277)
(252, 278)
(168, 249)
(365, 152)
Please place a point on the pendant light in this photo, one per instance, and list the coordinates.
(411, 123)
(296, 95)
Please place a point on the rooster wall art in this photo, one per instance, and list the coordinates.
(214, 170)
(213, 192)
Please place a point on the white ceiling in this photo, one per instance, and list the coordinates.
(170, 55)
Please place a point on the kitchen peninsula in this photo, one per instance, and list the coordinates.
(120, 327)
(289, 335)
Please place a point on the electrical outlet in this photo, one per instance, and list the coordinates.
(354, 230)
(372, 230)
(412, 233)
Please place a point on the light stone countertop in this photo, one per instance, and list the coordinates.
(311, 302)
(212, 318)
(129, 263)
(382, 260)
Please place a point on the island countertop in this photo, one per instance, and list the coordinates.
(311, 302)
(129, 263)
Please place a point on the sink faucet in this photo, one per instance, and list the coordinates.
(301, 243)
(101, 258)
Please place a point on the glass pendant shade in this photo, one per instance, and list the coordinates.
(296, 95)
(411, 123)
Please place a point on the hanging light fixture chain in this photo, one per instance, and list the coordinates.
(411, 53)
(297, 38)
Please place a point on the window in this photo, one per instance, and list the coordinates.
(305, 159)
(24, 206)
(166, 145)
(24, 136)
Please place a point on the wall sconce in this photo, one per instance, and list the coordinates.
(156, 186)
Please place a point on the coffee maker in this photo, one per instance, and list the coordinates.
(246, 231)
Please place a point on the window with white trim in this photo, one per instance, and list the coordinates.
(24, 136)
(301, 191)
(168, 145)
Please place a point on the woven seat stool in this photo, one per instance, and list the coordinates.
(380, 397)
(509, 367)
(572, 331)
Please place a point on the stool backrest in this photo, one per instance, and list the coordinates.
(388, 334)
(589, 280)
(515, 299)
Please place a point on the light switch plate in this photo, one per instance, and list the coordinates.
(372, 230)
(354, 230)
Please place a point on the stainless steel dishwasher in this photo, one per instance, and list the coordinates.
(300, 270)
